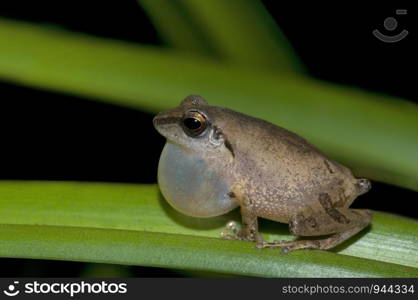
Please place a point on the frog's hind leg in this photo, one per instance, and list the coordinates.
(340, 224)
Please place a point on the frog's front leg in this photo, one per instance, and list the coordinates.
(340, 224)
(249, 230)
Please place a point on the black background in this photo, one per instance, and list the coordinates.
(53, 136)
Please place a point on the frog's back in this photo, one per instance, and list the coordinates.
(283, 171)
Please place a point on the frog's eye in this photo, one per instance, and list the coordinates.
(194, 123)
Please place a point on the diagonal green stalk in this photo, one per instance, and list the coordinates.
(176, 26)
(375, 135)
(123, 209)
(239, 31)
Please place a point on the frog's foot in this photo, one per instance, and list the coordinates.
(232, 231)
(288, 246)
(284, 244)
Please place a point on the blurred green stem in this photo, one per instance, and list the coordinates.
(177, 27)
(238, 31)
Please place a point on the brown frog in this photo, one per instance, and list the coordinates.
(216, 159)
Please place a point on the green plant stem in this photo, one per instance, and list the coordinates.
(137, 212)
(181, 252)
(176, 27)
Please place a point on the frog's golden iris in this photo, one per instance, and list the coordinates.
(194, 123)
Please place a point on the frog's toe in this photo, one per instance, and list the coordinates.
(232, 231)
(274, 244)
(261, 245)
(294, 247)
(233, 236)
(286, 246)
(228, 236)
(286, 250)
(233, 227)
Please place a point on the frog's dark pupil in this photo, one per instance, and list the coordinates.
(192, 123)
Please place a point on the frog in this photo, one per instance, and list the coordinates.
(216, 159)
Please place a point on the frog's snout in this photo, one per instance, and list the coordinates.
(167, 124)
(364, 185)
(158, 124)
(154, 121)
(166, 118)
(160, 120)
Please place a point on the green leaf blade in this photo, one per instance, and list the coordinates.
(96, 221)
(184, 252)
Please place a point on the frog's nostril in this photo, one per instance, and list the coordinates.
(165, 120)
(158, 120)
(155, 120)
(364, 185)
